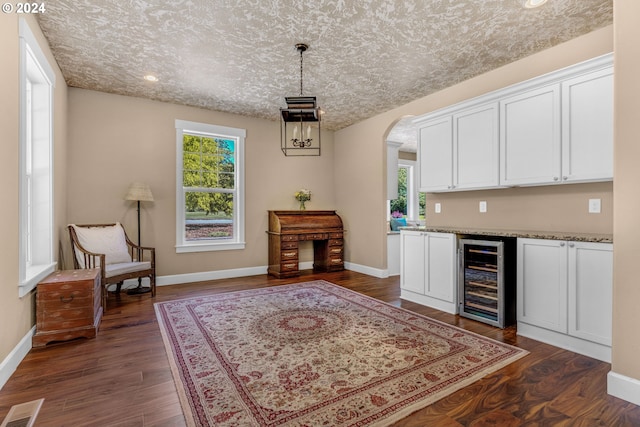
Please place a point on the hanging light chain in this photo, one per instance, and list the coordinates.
(301, 50)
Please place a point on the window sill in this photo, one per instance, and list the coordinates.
(208, 247)
(35, 274)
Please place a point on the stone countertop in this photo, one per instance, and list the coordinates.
(551, 235)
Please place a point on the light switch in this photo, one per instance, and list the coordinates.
(483, 206)
(438, 208)
(594, 205)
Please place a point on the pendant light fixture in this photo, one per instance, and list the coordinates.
(300, 125)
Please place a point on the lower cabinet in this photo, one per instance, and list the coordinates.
(428, 269)
(564, 294)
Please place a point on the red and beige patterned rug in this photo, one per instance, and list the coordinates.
(315, 354)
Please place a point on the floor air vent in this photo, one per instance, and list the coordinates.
(23, 415)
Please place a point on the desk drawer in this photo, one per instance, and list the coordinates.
(289, 245)
(314, 236)
(335, 242)
(289, 266)
(289, 255)
(289, 238)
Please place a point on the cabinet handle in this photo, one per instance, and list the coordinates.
(571, 245)
(66, 300)
(555, 178)
(565, 178)
(562, 245)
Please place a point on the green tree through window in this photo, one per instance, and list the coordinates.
(208, 179)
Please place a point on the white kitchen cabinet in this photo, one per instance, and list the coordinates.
(590, 289)
(460, 151)
(542, 283)
(587, 127)
(428, 269)
(564, 294)
(476, 148)
(435, 154)
(530, 137)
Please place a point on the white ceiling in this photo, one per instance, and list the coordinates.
(238, 56)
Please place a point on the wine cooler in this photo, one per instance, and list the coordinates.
(487, 281)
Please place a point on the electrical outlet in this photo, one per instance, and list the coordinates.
(594, 206)
(438, 208)
(483, 206)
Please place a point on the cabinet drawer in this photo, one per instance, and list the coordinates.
(289, 255)
(289, 245)
(335, 251)
(66, 301)
(289, 266)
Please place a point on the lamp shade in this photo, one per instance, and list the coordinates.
(139, 191)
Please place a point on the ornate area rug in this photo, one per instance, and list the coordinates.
(315, 354)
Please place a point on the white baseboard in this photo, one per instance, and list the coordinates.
(177, 279)
(375, 272)
(13, 359)
(623, 387)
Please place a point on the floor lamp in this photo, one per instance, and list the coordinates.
(139, 192)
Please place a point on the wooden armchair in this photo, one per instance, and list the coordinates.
(107, 247)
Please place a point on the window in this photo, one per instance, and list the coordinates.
(409, 203)
(37, 81)
(209, 187)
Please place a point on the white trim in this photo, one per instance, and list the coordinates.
(32, 281)
(371, 271)
(178, 279)
(25, 33)
(623, 387)
(567, 342)
(203, 247)
(10, 363)
(204, 129)
(31, 57)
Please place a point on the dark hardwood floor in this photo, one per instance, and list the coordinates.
(122, 377)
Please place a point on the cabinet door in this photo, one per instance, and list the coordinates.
(435, 152)
(587, 127)
(412, 255)
(542, 283)
(530, 137)
(590, 291)
(441, 266)
(476, 156)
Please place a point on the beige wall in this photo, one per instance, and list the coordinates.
(115, 140)
(361, 166)
(626, 229)
(17, 314)
(547, 208)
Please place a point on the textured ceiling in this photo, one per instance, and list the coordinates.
(238, 56)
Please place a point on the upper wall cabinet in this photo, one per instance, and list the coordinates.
(460, 151)
(587, 127)
(530, 137)
(557, 128)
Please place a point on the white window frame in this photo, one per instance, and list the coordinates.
(214, 131)
(412, 190)
(37, 82)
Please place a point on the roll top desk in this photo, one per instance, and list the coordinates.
(288, 228)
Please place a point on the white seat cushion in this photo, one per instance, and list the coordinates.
(103, 240)
(126, 267)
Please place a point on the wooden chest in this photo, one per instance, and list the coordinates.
(68, 306)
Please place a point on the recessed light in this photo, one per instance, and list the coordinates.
(530, 4)
(150, 78)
